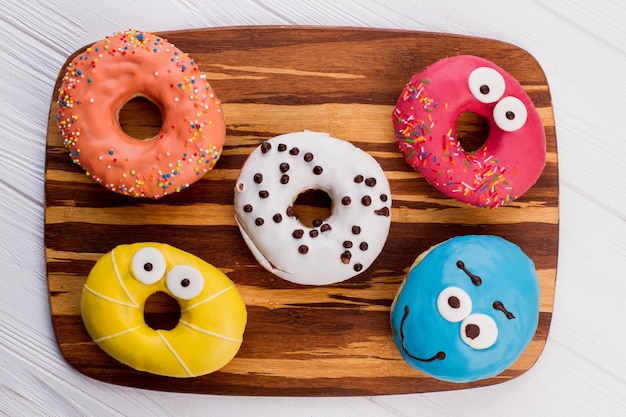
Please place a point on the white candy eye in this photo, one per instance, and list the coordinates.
(185, 281)
(510, 114)
(148, 265)
(479, 331)
(486, 84)
(454, 304)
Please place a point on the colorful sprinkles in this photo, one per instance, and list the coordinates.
(417, 142)
(180, 153)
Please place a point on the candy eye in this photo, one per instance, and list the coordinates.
(454, 304)
(479, 331)
(148, 265)
(510, 114)
(486, 84)
(184, 281)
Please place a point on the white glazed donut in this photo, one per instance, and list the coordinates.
(333, 250)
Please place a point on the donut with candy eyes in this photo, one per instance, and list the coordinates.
(467, 309)
(514, 153)
(333, 249)
(212, 313)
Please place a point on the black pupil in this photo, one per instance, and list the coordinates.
(510, 115)
(484, 89)
(147, 266)
(185, 282)
(454, 302)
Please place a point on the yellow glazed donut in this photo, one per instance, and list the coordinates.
(212, 320)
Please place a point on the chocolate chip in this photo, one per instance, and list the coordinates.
(346, 201)
(294, 151)
(313, 233)
(284, 179)
(347, 244)
(454, 302)
(358, 179)
(290, 211)
(308, 157)
(277, 218)
(247, 208)
(363, 246)
(325, 227)
(472, 331)
(282, 147)
(284, 167)
(317, 222)
(366, 200)
(259, 221)
(258, 178)
(383, 197)
(264, 193)
(370, 182)
(303, 249)
(297, 234)
(383, 211)
(484, 89)
(317, 170)
(345, 257)
(356, 230)
(265, 146)
(358, 267)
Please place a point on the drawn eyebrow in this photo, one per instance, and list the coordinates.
(476, 280)
(498, 305)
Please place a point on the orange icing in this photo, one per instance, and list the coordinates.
(97, 84)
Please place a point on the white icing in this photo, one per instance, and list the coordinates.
(175, 353)
(210, 333)
(488, 331)
(507, 106)
(272, 243)
(486, 77)
(110, 299)
(454, 313)
(207, 299)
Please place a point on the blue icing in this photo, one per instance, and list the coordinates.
(442, 347)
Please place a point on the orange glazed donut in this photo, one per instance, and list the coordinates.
(102, 79)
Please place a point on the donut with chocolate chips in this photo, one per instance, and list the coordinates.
(330, 250)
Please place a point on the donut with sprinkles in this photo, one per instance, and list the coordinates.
(330, 250)
(99, 81)
(514, 153)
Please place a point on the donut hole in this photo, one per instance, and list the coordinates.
(140, 118)
(311, 205)
(162, 311)
(472, 131)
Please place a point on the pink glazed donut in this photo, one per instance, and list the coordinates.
(514, 153)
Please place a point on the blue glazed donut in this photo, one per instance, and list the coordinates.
(467, 309)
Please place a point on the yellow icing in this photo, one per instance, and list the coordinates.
(209, 332)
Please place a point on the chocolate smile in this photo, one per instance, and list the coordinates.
(439, 356)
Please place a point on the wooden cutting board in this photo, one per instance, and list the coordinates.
(301, 341)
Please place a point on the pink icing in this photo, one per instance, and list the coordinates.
(501, 170)
(97, 84)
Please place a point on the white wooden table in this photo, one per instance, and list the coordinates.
(582, 49)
